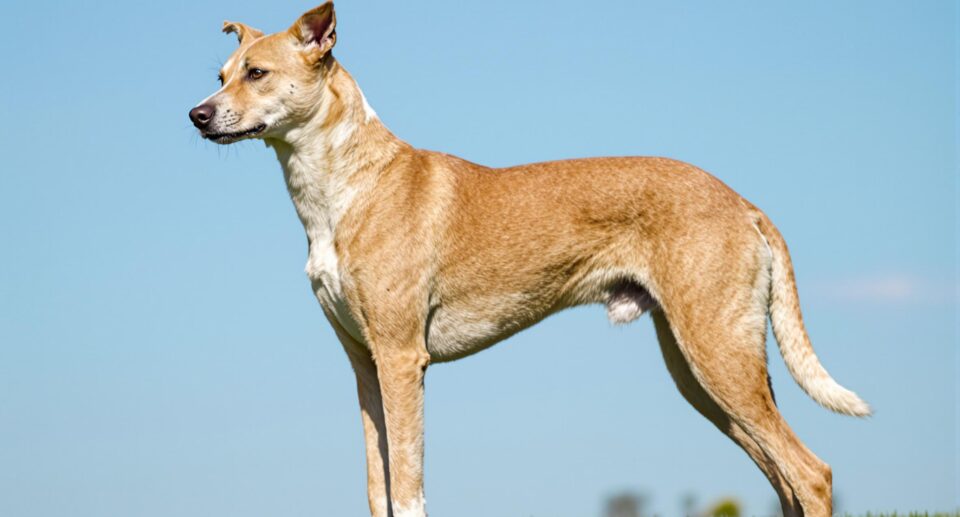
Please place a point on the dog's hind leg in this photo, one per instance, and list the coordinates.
(719, 338)
(694, 393)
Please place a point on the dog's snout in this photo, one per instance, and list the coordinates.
(201, 115)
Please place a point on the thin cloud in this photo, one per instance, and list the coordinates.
(888, 288)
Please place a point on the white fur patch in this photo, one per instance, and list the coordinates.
(368, 112)
(229, 64)
(341, 132)
(415, 508)
(214, 94)
(764, 238)
(321, 198)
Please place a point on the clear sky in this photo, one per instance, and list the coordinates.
(161, 352)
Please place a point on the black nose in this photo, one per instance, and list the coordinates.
(201, 115)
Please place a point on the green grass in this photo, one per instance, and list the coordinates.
(910, 514)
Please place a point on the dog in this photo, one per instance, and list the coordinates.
(419, 257)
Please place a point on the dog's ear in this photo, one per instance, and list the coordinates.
(244, 32)
(317, 29)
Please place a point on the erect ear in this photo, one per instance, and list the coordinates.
(244, 32)
(317, 26)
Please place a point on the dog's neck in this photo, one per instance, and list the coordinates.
(335, 156)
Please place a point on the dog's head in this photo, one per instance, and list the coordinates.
(270, 83)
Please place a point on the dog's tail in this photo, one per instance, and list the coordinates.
(792, 336)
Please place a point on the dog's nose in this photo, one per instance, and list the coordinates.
(201, 115)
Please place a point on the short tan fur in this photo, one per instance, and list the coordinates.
(419, 257)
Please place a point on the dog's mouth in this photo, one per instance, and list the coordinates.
(226, 138)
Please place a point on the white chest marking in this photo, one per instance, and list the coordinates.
(323, 269)
(321, 200)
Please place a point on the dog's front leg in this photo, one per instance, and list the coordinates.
(375, 433)
(401, 372)
(374, 424)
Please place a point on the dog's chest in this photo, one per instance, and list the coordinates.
(320, 202)
(323, 269)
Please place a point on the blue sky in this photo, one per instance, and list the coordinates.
(161, 352)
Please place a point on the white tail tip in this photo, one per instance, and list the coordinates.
(836, 398)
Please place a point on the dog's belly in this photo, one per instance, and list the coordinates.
(457, 331)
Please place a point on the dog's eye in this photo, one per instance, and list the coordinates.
(220, 78)
(256, 73)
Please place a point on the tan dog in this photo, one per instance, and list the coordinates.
(420, 257)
